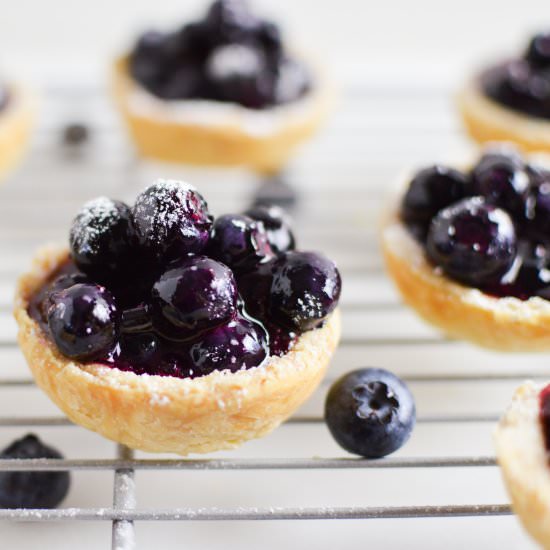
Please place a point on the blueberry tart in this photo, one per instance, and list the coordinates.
(510, 101)
(469, 249)
(169, 330)
(522, 440)
(223, 91)
(17, 109)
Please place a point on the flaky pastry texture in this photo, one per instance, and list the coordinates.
(486, 120)
(166, 414)
(504, 324)
(524, 462)
(214, 133)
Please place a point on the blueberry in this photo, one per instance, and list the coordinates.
(171, 220)
(83, 321)
(538, 51)
(293, 81)
(277, 226)
(241, 343)
(255, 289)
(196, 295)
(504, 182)
(146, 60)
(270, 38)
(184, 82)
(472, 241)
(305, 290)
(431, 190)
(538, 212)
(370, 412)
(231, 21)
(32, 489)
(239, 75)
(533, 276)
(239, 242)
(103, 240)
(141, 351)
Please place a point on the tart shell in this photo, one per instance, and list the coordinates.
(524, 462)
(486, 120)
(166, 414)
(261, 140)
(15, 124)
(504, 324)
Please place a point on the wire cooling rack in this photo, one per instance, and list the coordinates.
(447, 470)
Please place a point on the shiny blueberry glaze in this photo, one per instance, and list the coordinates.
(544, 415)
(497, 238)
(230, 55)
(184, 313)
(523, 84)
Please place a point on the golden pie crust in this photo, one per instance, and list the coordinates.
(524, 462)
(262, 141)
(486, 120)
(505, 324)
(16, 120)
(166, 414)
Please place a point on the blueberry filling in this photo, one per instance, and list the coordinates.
(162, 288)
(523, 84)
(544, 415)
(489, 228)
(230, 55)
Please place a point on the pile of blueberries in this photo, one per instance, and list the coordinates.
(231, 55)
(523, 84)
(488, 228)
(163, 288)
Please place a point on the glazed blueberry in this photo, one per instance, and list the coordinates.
(277, 227)
(241, 343)
(83, 321)
(539, 205)
(472, 241)
(147, 57)
(197, 295)
(255, 289)
(171, 220)
(103, 240)
(538, 51)
(239, 75)
(503, 181)
(305, 290)
(431, 190)
(141, 351)
(534, 274)
(32, 489)
(370, 412)
(239, 242)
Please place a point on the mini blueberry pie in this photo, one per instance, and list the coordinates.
(522, 441)
(470, 250)
(16, 116)
(170, 331)
(220, 91)
(510, 101)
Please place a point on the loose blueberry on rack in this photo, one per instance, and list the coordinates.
(277, 227)
(305, 289)
(83, 321)
(538, 51)
(370, 412)
(171, 220)
(239, 242)
(503, 181)
(103, 240)
(239, 344)
(472, 241)
(431, 189)
(32, 489)
(196, 295)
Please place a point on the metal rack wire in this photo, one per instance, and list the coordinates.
(24, 224)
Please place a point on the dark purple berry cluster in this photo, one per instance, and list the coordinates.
(164, 288)
(230, 55)
(523, 84)
(488, 228)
